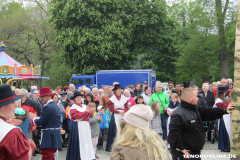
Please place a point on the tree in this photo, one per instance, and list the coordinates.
(235, 129)
(109, 34)
(200, 39)
(58, 73)
(29, 38)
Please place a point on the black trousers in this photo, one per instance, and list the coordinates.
(178, 155)
(100, 138)
(35, 136)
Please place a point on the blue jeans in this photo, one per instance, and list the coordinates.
(164, 126)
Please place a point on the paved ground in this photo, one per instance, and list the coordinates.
(208, 151)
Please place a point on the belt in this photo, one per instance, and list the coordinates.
(51, 128)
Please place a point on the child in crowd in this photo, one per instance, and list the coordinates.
(174, 101)
(94, 125)
(172, 106)
(108, 115)
(103, 125)
(67, 111)
(140, 100)
(155, 123)
(23, 115)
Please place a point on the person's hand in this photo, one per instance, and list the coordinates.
(59, 104)
(33, 128)
(165, 109)
(63, 131)
(230, 107)
(122, 112)
(32, 116)
(99, 118)
(14, 121)
(135, 97)
(88, 109)
(150, 128)
(185, 152)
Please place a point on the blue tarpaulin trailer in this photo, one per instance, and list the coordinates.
(124, 77)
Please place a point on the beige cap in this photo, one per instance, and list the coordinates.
(139, 116)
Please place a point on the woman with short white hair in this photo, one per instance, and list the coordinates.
(131, 100)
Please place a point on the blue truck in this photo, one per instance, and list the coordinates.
(107, 77)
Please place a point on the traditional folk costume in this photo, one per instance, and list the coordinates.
(116, 104)
(224, 124)
(50, 120)
(14, 145)
(80, 145)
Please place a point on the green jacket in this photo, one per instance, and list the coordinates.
(164, 98)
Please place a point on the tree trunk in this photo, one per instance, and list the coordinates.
(42, 71)
(235, 116)
(224, 54)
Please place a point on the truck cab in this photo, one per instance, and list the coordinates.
(80, 80)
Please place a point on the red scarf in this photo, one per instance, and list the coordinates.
(214, 92)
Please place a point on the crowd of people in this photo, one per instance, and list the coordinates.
(158, 123)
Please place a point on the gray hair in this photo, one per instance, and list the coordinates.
(126, 90)
(24, 91)
(71, 85)
(224, 79)
(94, 89)
(218, 82)
(205, 84)
(159, 84)
(109, 87)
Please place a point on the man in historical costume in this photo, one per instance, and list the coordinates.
(50, 120)
(14, 145)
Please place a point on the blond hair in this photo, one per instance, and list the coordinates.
(143, 140)
(154, 108)
(91, 104)
(175, 95)
(214, 84)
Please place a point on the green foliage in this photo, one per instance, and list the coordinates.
(200, 44)
(109, 34)
(58, 73)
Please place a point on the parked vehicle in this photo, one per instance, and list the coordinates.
(107, 77)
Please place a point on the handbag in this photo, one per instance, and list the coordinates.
(162, 104)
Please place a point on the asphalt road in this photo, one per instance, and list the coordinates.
(209, 150)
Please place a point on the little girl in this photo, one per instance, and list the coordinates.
(155, 123)
(94, 125)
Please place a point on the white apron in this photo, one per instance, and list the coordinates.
(86, 146)
(118, 104)
(226, 118)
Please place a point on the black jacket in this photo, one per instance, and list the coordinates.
(186, 127)
(201, 100)
(210, 99)
(136, 93)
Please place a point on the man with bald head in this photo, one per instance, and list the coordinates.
(186, 133)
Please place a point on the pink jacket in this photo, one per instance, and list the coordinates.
(132, 101)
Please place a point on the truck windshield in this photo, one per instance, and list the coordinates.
(77, 81)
